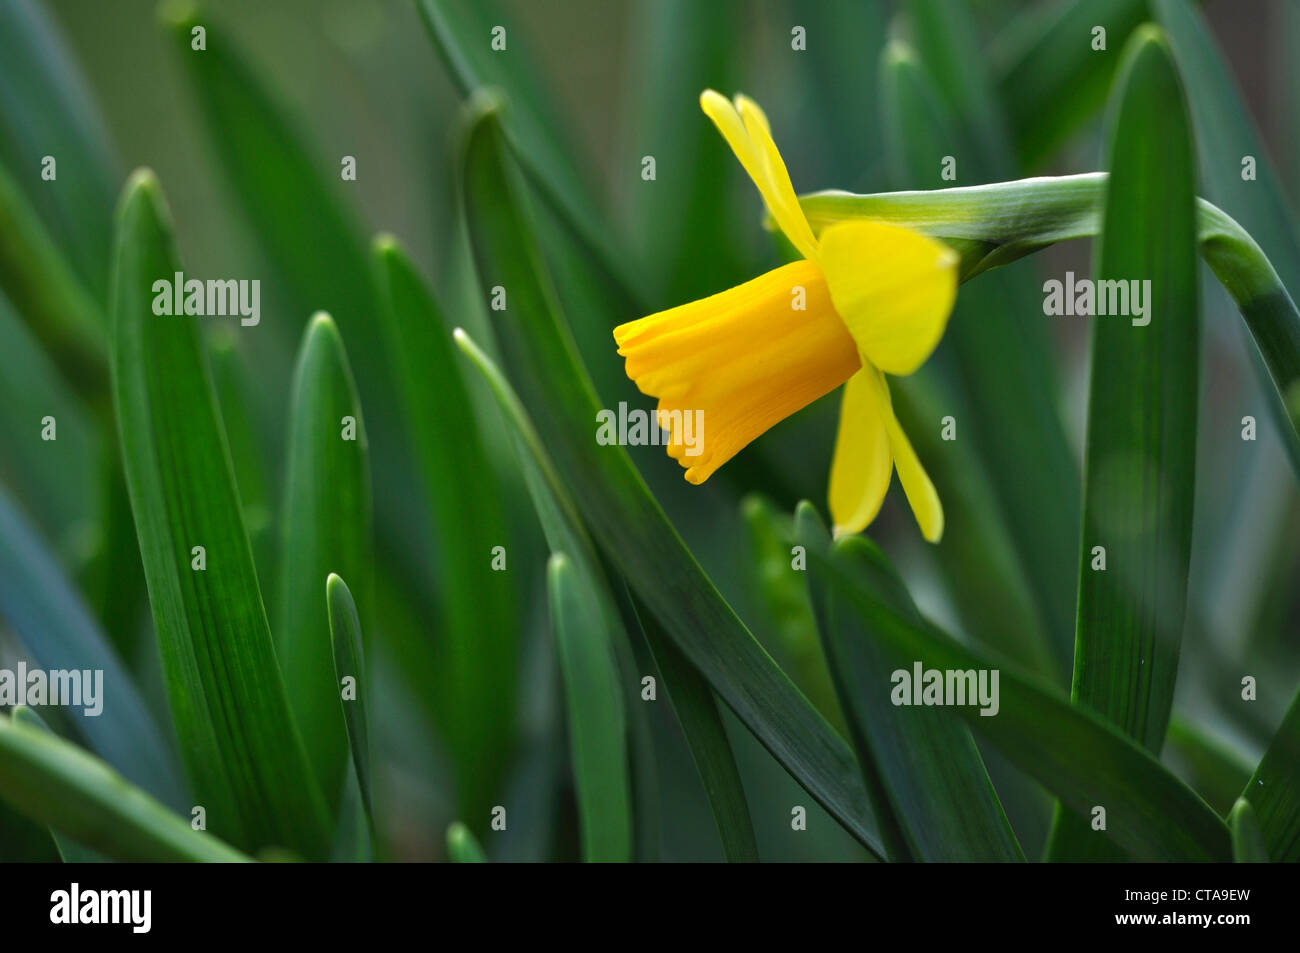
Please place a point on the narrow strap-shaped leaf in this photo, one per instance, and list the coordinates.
(462, 848)
(481, 47)
(1003, 353)
(47, 109)
(1226, 140)
(238, 739)
(1051, 79)
(1140, 469)
(690, 696)
(615, 503)
(596, 725)
(1274, 789)
(921, 764)
(49, 616)
(1247, 842)
(46, 467)
(70, 850)
(475, 680)
(325, 529)
(56, 783)
(696, 708)
(1070, 750)
(350, 663)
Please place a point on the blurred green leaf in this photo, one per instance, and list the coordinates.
(1274, 789)
(929, 785)
(461, 845)
(475, 678)
(350, 662)
(49, 476)
(46, 109)
(691, 699)
(50, 617)
(1247, 841)
(615, 503)
(1004, 361)
(1142, 415)
(1225, 139)
(325, 530)
(685, 217)
(241, 748)
(76, 794)
(1214, 769)
(481, 47)
(1050, 79)
(1070, 750)
(57, 306)
(70, 850)
(948, 41)
(595, 704)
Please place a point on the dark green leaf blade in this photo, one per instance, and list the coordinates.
(921, 764)
(51, 619)
(1142, 416)
(58, 784)
(1247, 841)
(325, 530)
(241, 748)
(596, 723)
(349, 661)
(475, 680)
(1070, 750)
(1274, 789)
(623, 516)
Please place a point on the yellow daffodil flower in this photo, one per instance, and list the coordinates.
(868, 299)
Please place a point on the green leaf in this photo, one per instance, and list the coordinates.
(240, 745)
(46, 109)
(475, 679)
(930, 789)
(1215, 769)
(464, 32)
(1224, 137)
(1004, 361)
(51, 619)
(684, 218)
(1070, 750)
(58, 307)
(1139, 472)
(350, 662)
(595, 704)
(947, 39)
(325, 530)
(1247, 841)
(70, 850)
(76, 794)
(1274, 789)
(1050, 79)
(615, 503)
(461, 845)
(691, 699)
(49, 476)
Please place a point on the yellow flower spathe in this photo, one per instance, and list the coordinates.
(868, 298)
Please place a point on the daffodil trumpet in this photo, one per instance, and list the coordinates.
(868, 298)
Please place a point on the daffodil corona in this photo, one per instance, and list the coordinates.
(868, 299)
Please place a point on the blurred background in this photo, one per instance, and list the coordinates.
(362, 78)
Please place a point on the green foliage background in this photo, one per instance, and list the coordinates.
(522, 688)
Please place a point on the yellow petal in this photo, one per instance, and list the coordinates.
(744, 360)
(921, 494)
(893, 287)
(746, 130)
(863, 463)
